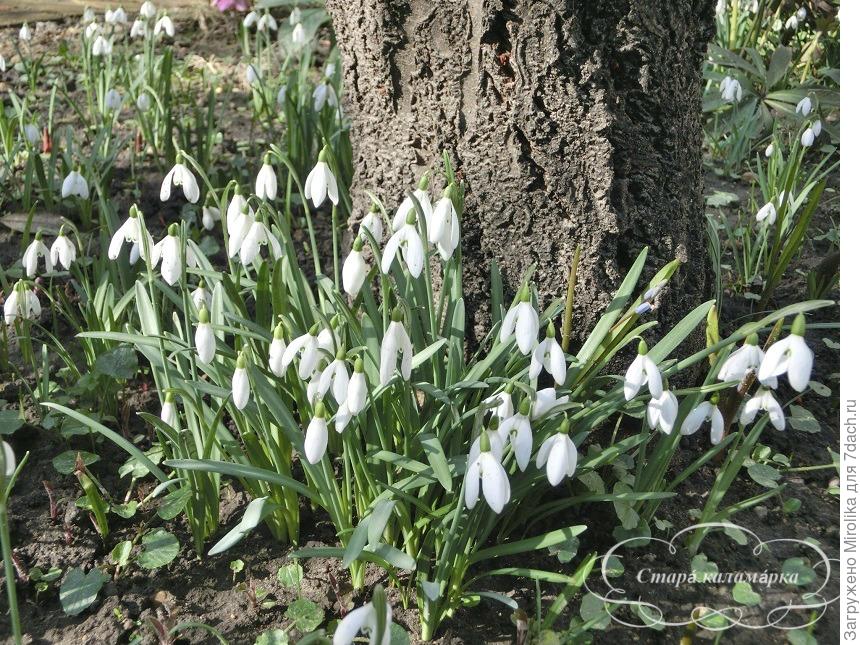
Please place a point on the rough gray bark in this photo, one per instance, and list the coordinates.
(572, 122)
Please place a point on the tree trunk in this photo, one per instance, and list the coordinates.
(572, 123)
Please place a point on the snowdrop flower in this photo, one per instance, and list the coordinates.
(91, 30)
(742, 361)
(443, 229)
(807, 138)
(238, 224)
(209, 216)
(9, 462)
(518, 429)
(558, 454)
(282, 96)
(138, 29)
(335, 378)
(200, 297)
(267, 181)
(204, 337)
(816, 127)
(75, 184)
(356, 389)
(705, 411)
(766, 213)
(502, 403)
(277, 349)
(165, 25)
(133, 231)
(252, 75)
(408, 242)
(31, 133)
(102, 46)
(179, 175)
(371, 224)
(763, 400)
(804, 106)
(324, 94)
(89, 16)
(662, 411)
(316, 436)
(641, 371)
(730, 90)
(308, 345)
(147, 10)
(421, 196)
(498, 437)
(548, 355)
(721, 7)
(143, 102)
(25, 34)
(801, 14)
(116, 17)
(113, 100)
(295, 16)
(791, 23)
(355, 269)
(299, 36)
(63, 251)
(32, 253)
(321, 182)
(2, 63)
(546, 401)
(21, 304)
(257, 235)
(169, 252)
(791, 356)
(396, 339)
(522, 321)
(366, 621)
(168, 410)
(241, 386)
(486, 475)
(769, 150)
(250, 19)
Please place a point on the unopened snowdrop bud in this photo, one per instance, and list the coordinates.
(75, 185)
(252, 75)
(295, 16)
(702, 413)
(396, 339)
(113, 100)
(31, 133)
(204, 337)
(168, 410)
(276, 352)
(767, 214)
(356, 390)
(641, 371)
(662, 411)
(522, 321)
(9, 462)
(2, 63)
(558, 454)
(21, 304)
(316, 436)
(299, 36)
(210, 215)
(791, 356)
(743, 360)
(267, 181)
(25, 34)
(763, 400)
(165, 25)
(816, 127)
(486, 475)
(180, 175)
(807, 138)
(370, 622)
(143, 102)
(138, 29)
(407, 242)
(355, 269)
(519, 429)
(102, 46)
(147, 10)
(548, 355)
(443, 229)
(201, 297)
(768, 152)
(371, 225)
(241, 385)
(35, 250)
(63, 251)
(321, 181)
